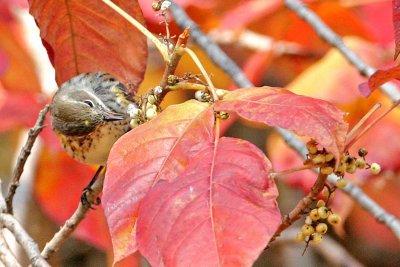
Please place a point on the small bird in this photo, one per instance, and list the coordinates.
(89, 114)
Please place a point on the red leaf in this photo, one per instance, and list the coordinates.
(18, 109)
(157, 150)
(378, 78)
(247, 12)
(221, 211)
(88, 36)
(315, 118)
(396, 23)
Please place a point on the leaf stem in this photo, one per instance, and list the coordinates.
(289, 171)
(369, 126)
(203, 71)
(160, 46)
(356, 127)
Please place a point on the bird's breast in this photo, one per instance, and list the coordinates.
(94, 147)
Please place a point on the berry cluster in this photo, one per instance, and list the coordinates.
(147, 109)
(348, 164)
(316, 223)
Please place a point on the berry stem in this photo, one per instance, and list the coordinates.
(369, 126)
(357, 127)
(289, 171)
(203, 71)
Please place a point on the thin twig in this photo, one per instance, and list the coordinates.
(23, 156)
(175, 57)
(69, 226)
(301, 206)
(329, 36)
(361, 122)
(225, 63)
(203, 71)
(369, 126)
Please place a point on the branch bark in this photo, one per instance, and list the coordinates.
(23, 156)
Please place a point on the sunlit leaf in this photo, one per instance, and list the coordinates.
(314, 118)
(221, 211)
(88, 36)
(157, 150)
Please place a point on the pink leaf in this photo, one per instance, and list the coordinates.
(221, 211)
(304, 115)
(157, 150)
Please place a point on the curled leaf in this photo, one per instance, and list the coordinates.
(379, 78)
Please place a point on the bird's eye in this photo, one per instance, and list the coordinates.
(89, 103)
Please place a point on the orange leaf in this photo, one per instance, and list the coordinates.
(17, 71)
(58, 188)
(157, 150)
(221, 211)
(315, 118)
(88, 36)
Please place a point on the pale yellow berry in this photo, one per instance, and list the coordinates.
(351, 168)
(312, 147)
(307, 230)
(375, 168)
(341, 183)
(151, 99)
(327, 170)
(334, 218)
(321, 228)
(220, 93)
(320, 203)
(134, 123)
(360, 163)
(318, 159)
(323, 212)
(151, 113)
(314, 215)
(316, 238)
(308, 220)
(328, 157)
(325, 192)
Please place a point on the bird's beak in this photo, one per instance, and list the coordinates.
(112, 116)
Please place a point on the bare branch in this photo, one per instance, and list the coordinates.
(224, 62)
(23, 156)
(27, 243)
(6, 256)
(70, 225)
(211, 48)
(329, 36)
